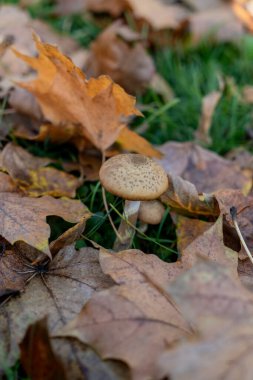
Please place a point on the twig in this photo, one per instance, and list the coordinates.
(233, 213)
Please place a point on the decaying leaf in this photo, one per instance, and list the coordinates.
(37, 355)
(221, 309)
(183, 197)
(24, 218)
(219, 23)
(209, 104)
(132, 142)
(65, 96)
(206, 170)
(115, 319)
(59, 290)
(33, 177)
(126, 63)
(158, 14)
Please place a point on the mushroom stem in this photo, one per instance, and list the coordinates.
(125, 230)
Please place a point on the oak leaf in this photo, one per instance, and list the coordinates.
(65, 96)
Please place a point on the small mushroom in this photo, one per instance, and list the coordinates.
(135, 178)
(150, 212)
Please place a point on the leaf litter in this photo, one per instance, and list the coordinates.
(69, 313)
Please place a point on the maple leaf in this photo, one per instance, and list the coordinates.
(24, 218)
(65, 96)
(31, 175)
(115, 319)
(58, 289)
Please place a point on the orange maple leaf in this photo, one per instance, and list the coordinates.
(65, 96)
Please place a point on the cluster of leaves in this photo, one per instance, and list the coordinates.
(73, 311)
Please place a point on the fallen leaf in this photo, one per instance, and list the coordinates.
(242, 10)
(132, 142)
(7, 185)
(59, 290)
(247, 94)
(24, 218)
(64, 96)
(114, 7)
(209, 103)
(221, 310)
(200, 5)
(66, 7)
(37, 355)
(183, 197)
(158, 14)
(206, 170)
(33, 177)
(126, 62)
(115, 319)
(162, 87)
(219, 23)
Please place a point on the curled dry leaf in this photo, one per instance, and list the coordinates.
(132, 142)
(65, 96)
(115, 319)
(221, 310)
(126, 63)
(24, 219)
(220, 23)
(206, 170)
(209, 103)
(183, 197)
(33, 177)
(37, 355)
(59, 290)
(158, 14)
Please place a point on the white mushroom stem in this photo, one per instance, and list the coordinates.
(126, 230)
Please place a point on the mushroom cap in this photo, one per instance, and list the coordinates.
(133, 177)
(151, 212)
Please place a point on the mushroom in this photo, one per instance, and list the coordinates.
(135, 178)
(150, 212)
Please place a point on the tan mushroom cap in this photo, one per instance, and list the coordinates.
(151, 212)
(133, 177)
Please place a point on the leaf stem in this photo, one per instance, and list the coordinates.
(233, 213)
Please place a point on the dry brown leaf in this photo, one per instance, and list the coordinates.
(132, 142)
(66, 7)
(115, 319)
(60, 291)
(24, 219)
(24, 102)
(206, 170)
(221, 309)
(66, 97)
(17, 24)
(37, 355)
(128, 65)
(183, 197)
(158, 14)
(7, 185)
(33, 177)
(209, 103)
(200, 5)
(219, 23)
(243, 10)
(161, 86)
(114, 7)
(247, 94)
